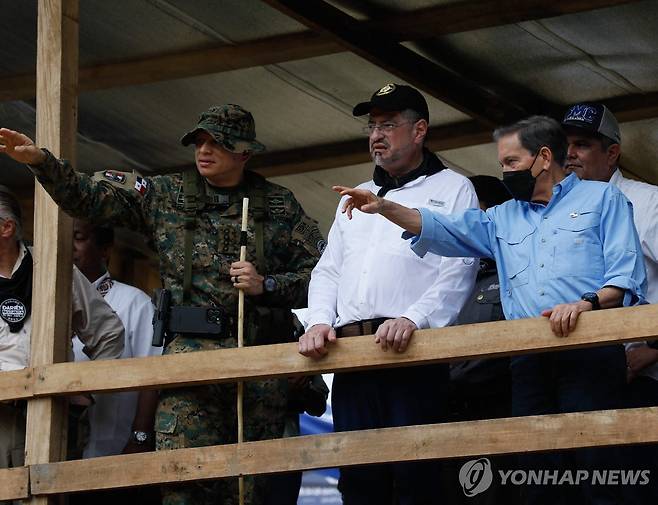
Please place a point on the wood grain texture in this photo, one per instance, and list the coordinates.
(14, 483)
(410, 443)
(427, 346)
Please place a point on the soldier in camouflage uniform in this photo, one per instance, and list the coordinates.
(209, 201)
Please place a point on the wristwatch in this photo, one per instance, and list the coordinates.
(269, 284)
(592, 298)
(140, 437)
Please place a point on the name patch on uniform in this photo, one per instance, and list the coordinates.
(113, 176)
(436, 203)
(277, 205)
(141, 185)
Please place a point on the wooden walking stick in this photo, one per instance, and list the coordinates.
(243, 257)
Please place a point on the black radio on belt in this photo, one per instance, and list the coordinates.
(200, 322)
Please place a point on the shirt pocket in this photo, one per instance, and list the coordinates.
(578, 248)
(515, 251)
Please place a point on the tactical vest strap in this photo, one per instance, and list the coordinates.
(191, 192)
(257, 195)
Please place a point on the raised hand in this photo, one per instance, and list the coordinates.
(360, 199)
(20, 147)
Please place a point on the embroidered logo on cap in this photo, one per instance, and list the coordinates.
(389, 88)
(584, 113)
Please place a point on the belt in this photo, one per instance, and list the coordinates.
(365, 327)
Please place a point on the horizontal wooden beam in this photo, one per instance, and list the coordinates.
(186, 64)
(16, 384)
(409, 443)
(424, 23)
(353, 152)
(14, 483)
(456, 17)
(354, 353)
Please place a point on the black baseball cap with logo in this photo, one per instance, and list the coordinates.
(595, 118)
(393, 98)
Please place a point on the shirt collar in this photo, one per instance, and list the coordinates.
(97, 282)
(22, 251)
(563, 187)
(616, 177)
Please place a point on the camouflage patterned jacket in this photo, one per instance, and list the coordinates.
(292, 241)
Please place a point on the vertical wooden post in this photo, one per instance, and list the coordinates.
(57, 77)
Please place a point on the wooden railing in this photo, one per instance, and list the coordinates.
(510, 435)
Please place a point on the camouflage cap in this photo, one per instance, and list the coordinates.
(231, 126)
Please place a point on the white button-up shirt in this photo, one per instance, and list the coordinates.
(368, 271)
(644, 198)
(112, 414)
(92, 319)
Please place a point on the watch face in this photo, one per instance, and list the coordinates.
(269, 284)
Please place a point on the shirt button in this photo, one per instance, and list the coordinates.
(543, 240)
(541, 293)
(545, 217)
(479, 297)
(541, 265)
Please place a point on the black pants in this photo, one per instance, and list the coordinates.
(388, 398)
(570, 381)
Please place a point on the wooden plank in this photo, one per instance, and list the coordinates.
(57, 64)
(352, 152)
(14, 484)
(409, 25)
(427, 346)
(457, 17)
(16, 384)
(443, 84)
(409, 443)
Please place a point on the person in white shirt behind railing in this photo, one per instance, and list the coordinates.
(99, 329)
(368, 281)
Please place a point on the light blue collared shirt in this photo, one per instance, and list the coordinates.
(582, 240)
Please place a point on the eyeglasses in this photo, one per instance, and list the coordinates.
(383, 127)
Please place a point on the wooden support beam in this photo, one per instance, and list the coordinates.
(455, 17)
(462, 94)
(627, 108)
(409, 25)
(16, 385)
(409, 443)
(57, 65)
(14, 483)
(354, 353)
(352, 152)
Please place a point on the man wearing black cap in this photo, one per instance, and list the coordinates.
(193, 219)
(594, 151)
(368, 282)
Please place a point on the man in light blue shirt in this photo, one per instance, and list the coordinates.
(563, 246)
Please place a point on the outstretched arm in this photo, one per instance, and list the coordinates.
(365, 201)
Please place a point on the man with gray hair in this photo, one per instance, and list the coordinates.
(369, 282)
(93, 321)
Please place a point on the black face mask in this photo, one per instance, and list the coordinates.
(521, 183)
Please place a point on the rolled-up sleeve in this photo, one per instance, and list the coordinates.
(622, 252)
(98, 327)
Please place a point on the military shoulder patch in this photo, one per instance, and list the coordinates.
(123, 180)
(307, 233)
(112, 176)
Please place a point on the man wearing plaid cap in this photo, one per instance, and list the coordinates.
(193, 220)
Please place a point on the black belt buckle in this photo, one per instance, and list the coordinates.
(214, 316)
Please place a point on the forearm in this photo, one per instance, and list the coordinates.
(610, 297)
(147, 402)
(404, 217)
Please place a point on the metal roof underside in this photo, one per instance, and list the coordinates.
(149, 67)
